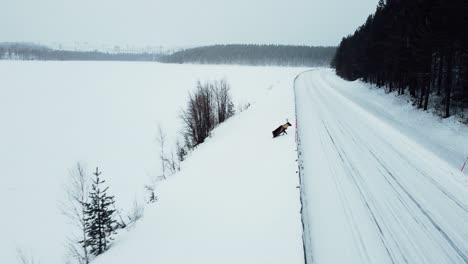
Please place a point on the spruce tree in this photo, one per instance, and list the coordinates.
(100, 222)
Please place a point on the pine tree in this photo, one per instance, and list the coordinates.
(100, 222)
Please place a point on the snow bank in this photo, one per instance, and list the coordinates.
(105, 114)
(235, 200)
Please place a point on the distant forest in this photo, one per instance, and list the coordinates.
(27, 51)
(276, 55)
(416, 47)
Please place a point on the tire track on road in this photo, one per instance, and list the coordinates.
(393, 203)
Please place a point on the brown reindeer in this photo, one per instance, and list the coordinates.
(281, 129)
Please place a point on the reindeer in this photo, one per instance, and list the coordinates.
(281, 129)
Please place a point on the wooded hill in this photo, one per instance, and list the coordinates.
(277, 55)
(418, 47)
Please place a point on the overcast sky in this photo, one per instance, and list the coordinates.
(182, 22)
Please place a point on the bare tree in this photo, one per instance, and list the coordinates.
(169, 165)
(77, 190)
(208, 106)
(161, 139)
(172, 164)
(224, 104)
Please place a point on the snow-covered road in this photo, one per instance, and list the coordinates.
(371, 192)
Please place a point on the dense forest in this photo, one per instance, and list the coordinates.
(279, 55)
(27, 51)
(418, 47)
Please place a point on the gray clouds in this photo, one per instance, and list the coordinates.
(183, 22)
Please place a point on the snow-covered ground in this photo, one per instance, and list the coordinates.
(381, 182)
(234, 202)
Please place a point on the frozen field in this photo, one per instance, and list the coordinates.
(54, 114)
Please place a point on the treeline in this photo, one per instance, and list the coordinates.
(274, 55)
(419, 47)
(26, 51)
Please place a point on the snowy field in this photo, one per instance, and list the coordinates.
(381, 182)
(235, 201)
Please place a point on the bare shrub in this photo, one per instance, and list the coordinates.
(25, 257)
(169, 165)
(243, 107)
(199, 118)
(136, 213)
(207, 107)
(224, 105)
(150, 188)
(74, 207)
(181, 152)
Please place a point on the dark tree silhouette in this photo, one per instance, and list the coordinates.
(419, 47)
(254, 55)
(275, 55)
(28, 51)
(207, 107)
(100, 222)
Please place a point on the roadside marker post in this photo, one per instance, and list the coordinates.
(295, 134)
(463, 167)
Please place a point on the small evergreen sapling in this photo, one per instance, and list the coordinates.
(100, 222)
